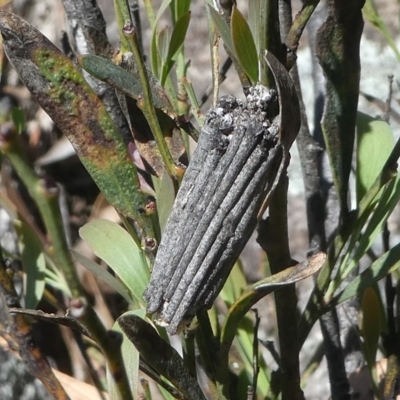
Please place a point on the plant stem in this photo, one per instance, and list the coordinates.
(273, 237)
(299, 23)
(129, 43)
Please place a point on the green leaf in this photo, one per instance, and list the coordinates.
(163, 39)
(244, 345)
(244, 45)
(374, 145)
(223, 29)
(388, 197)
(384, 265)
(175, 44)
(55, 278)
(371, 14)
(164, 5)
(18, 118)
(130, 358)
(124, 81)
(180, 7)
(115, 246)
(99, 272)
(58, 86)
(155, 59)
(33, 262)
(178, 35)
(234, 285)
(255, 22)
(371, 327)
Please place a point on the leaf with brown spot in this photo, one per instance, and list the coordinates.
(128, 83)
(75, 108)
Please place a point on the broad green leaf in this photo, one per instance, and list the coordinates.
(374, 145)
(130, 357)
(244, 45)
(33, 262)
(384, 265)
(115, 246)
(99, 272)
(222, 28)
(371, 327)
(160, 355)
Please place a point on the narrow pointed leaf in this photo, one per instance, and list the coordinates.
(360, 244)
(115, 246)
(244, 45)
(175, 44)
(181, 7)
(178, 35)
(384, 265)
(63, 93)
